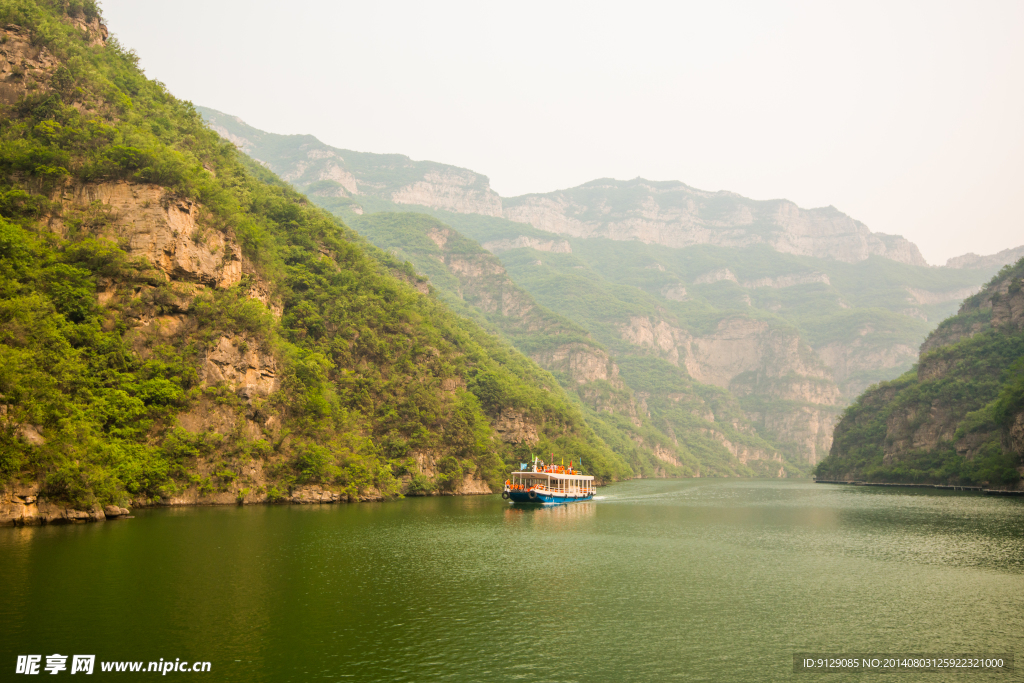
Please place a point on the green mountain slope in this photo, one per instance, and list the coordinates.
(178, 325)
(958, 417)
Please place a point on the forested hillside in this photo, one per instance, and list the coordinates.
(177, 325)
(958, 416)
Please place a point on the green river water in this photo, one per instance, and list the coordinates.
(702, 580)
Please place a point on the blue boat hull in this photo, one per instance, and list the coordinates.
(544, 498)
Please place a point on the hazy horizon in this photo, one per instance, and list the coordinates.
(905, 117)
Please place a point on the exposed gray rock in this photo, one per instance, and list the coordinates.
(997, 260)
(676, 215)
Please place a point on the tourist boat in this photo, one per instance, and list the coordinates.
(548, 484)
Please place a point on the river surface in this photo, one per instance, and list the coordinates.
(698, 580)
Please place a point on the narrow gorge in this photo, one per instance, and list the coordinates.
(737, 329)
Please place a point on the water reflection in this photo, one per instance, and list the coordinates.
(657, 580)
(551, 517)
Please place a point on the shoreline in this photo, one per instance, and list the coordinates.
(946, 487)
(21, 507)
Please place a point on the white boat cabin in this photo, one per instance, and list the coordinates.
(567, 483)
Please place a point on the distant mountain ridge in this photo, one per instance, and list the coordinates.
(997, 260)
(676, 215)
(346, 173)
(654, 212)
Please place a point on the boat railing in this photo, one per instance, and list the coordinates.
(575, 490)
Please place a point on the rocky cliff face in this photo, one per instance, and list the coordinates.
(792, 280)
(675, 215)
(751, 359)
(23, 67)
(912, 428)
(483, 282)
(740, 350)
(997, 260)
(27, 66)
(581, 363)
(1015, 434)
(171, 234)
(522, 241)
(515, 427)
(593, 374)
(154, 225)
(923, 296)
(451, 189)
(856, 364)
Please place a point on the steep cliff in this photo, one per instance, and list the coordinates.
(675, 215)
(957, 418)
(770, 368)
(178, 326)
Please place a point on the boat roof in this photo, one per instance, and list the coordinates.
(553, 475)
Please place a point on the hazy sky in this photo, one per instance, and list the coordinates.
(906, 116)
